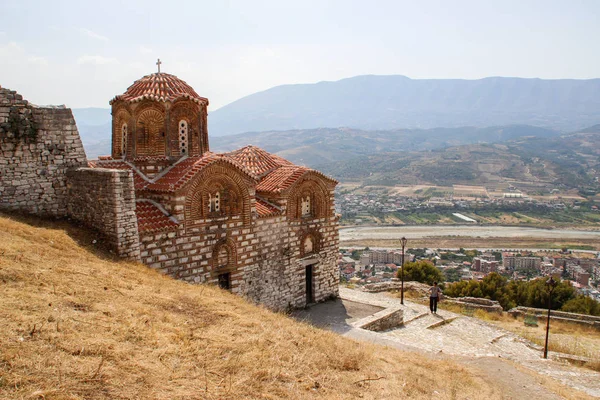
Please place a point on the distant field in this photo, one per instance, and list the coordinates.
(469, 191)
(538, 218)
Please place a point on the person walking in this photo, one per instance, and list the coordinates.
(434, 296)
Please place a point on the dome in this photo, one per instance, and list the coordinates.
(160, 87)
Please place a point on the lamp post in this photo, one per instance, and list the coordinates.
(551, 285)
(403, 243)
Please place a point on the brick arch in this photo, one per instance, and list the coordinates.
(218, 176)
(188, 111)
(316, 242)
(313, 187)
(150, 130)
(217, 266)
(121, 115)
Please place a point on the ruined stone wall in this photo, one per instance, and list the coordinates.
(104, 199)
(37, 147)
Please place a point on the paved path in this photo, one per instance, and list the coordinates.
(465, 339)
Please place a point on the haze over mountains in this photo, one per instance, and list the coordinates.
(304, 123)
(390, 102)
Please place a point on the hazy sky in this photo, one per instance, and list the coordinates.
(82, 53)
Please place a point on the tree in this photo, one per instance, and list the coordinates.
(421, 271)
(518, 293)
(582, 305)
(452, 274)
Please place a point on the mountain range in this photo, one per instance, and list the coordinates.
(382, 125)
(567, 161)
(389, 102)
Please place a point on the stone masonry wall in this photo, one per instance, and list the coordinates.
(104, 199)
(37, 147)
(270, 270)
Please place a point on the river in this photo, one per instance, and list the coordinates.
(425, 231)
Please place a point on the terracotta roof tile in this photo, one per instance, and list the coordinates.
(265, 209)
(257, 160)
(184, 171)
(160, 87)
(281, 179)
(151, 219)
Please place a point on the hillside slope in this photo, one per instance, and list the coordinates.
(77, 325)
(314, 147)
(569, 161)
(389, 102)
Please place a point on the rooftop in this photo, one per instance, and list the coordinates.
(160, 87)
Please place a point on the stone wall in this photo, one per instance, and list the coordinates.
(37, 147)
(540, 313)
(383, 320)
(104, 199)
(476, 303)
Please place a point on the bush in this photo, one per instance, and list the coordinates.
(421, 271)
(582, 305)
(509, 294)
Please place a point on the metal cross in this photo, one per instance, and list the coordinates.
(158, 63)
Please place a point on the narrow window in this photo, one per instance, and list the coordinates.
(214, 202)
(305, 206)
(308, 245)
(223, 258)
(124, 140)
(183, 137)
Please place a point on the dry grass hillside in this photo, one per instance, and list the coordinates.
(76, 324)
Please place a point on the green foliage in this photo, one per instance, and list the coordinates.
(421, 271)
(509, 294)
(582, 305)
(452, 274)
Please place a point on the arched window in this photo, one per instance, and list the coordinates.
(183, 137)
(214, 202)
(124, 140)
(305, 206)
(308, 245)
(223, 264)
(223, 257)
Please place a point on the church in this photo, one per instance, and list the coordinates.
(248, 221)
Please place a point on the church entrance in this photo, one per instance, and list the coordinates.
(310, 298)
(225, 281)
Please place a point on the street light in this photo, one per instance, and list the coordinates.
(551, 285)
(403, 243)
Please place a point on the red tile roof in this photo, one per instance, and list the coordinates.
(265, 209)
(160, 87)
(272, 173)
(184, 171)
(152, 219)
(281, 179)
(257, 160)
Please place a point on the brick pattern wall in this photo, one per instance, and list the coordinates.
(104, 199)
(37, 147)
(270, 265)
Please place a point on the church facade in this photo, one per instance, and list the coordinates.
(248, 221)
